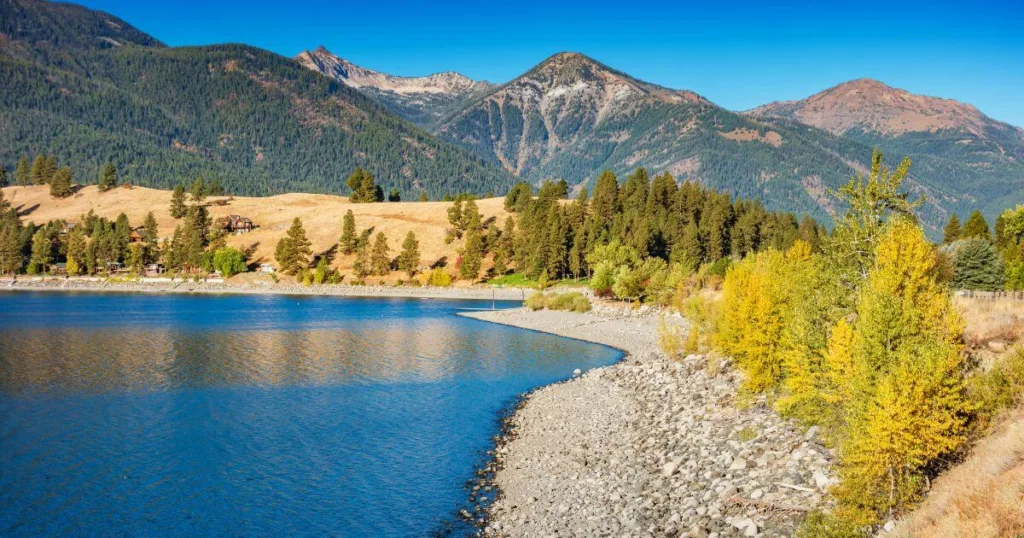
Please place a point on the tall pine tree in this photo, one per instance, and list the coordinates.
(348, 241)
(108, 177)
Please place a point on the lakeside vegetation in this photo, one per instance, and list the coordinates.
(859, 337)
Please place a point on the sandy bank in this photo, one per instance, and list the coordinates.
(648, 446)
(24, 283)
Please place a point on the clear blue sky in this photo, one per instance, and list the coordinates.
(737, 54)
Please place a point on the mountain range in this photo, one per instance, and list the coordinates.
(89, 87)
(571, 116)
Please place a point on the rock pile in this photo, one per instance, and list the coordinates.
(648, 447)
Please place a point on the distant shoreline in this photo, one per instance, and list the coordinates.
(214, 287)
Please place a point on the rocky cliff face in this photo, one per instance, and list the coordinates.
(422, 100)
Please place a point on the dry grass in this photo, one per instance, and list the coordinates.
(981, 498)
(321, 214)
(991, 320)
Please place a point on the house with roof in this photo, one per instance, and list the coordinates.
(236, 224)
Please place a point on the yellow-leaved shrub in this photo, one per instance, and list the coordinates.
(756, 309)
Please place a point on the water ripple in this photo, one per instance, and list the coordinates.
(178, 415)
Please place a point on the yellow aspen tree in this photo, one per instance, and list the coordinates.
(907, 404)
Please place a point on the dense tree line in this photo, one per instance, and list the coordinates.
(984, 258)
(627, 235)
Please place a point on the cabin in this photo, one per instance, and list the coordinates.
(67, 227)
(266, 268)
(59, 268)
(236, 224)
(115, 268)
(154, 269)
(136, 235)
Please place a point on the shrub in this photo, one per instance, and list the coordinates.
(571, 301)
(670, 339)
(537, 301)
(999, 388)
(754, 308)
(437, 277)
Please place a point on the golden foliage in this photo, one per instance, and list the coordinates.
(883, 376)
(904, 400)
(754, 306)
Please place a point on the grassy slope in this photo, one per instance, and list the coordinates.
(321, 214)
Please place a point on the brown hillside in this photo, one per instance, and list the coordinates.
(872, 106)
(321, 214)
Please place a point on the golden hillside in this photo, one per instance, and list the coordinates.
(321, 215)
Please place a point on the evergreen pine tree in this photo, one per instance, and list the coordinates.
(150, 236)
(76, 252)
(108, 177)
(363, 187)
(178, 207)
(39, 176)
(472, 256)
(215, 188)
(952, 230)
(3, 177)
(409, 259)
(23, 172)
(688, 249)
(977, 266)
(293, 250)
(578, 252)
(42, 252)
(557, 250)
(11, 247)
(394, 196)
(976, 226)
(423, 196)
(361, 266)
(380, 258)
(348, 241)
(60, 183)
(198, 190)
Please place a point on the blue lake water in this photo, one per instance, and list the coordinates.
(133, 415)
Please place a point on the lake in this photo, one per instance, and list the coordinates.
(132, 414)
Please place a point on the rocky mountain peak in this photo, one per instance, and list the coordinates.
(869, 105)
(421, 100)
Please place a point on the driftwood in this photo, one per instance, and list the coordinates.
(766, 505)
(791, 486)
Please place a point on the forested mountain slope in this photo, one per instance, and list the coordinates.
(259, 122)
(571, 117)
(971, 159)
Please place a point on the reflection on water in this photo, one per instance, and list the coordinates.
(252, 415)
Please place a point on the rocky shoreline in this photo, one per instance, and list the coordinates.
(648, 446)
(167, 285)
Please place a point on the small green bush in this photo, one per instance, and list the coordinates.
(571, 301)
(999, 388)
